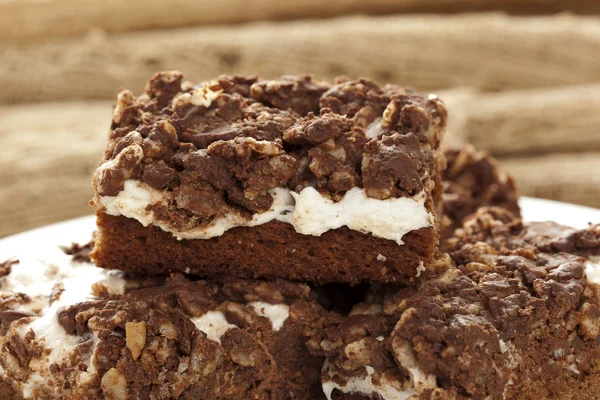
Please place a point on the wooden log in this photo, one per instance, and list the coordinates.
(488, 52)
(528, 122)
(34, 19)
(49, 154)
(565, 177)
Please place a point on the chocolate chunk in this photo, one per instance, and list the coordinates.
(161, 141)
(158, 175)
(392, 166)
(206, 129)
(8, 316)
(335, 162)
(240, 84)
(79, 253)
(163, 86)
(549, 236)
(110, 178)
(350, 98)
(298, 93)
(229, 108)
(200, 198)
(316, 130)
(258, 165)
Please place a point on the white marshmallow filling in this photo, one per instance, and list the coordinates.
(308, 212)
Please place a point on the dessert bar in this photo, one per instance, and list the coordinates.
(74, 331)
(518, 317)
(292, 178)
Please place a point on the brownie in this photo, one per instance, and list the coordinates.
(272, 178)
(86, 333)
(511, 318)
(473, 179)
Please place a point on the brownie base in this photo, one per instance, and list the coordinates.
(270, 250)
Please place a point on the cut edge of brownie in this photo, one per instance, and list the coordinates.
(200, 161)
(517, 317)
(272, 250)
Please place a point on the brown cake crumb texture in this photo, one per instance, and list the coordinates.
(149, 348)
(270, 250)
(515, 318)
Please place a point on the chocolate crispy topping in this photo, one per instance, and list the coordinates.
(495, 229)
(225, 143)
(512, 315)
(298, 93)
(175, 338)
(472, 180)
(394, 167)
(148, 340)
(551, 237)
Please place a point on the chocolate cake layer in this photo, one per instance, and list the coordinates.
(270, 250)
(512, 320)
(197, 161)
(71, 331)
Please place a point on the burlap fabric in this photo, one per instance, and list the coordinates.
(527, 88)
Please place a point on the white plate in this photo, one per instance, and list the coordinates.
(80, 230)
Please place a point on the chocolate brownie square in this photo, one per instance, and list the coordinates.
(513, 318)
(292, 178)
(69, 330)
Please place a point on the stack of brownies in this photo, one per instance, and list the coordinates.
(294, 239)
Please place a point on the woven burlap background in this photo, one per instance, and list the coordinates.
(527, 88)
